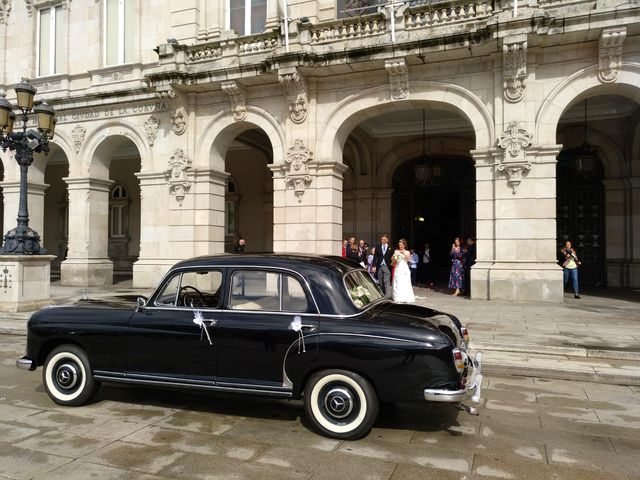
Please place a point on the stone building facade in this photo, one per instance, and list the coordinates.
(182, 125)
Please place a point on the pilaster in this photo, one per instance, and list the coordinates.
(87, 262)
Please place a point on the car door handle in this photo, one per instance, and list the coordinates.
(312, 328)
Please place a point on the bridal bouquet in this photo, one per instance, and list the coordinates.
(396, 258)
(360, 296)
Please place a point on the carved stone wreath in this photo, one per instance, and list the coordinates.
(610, 53)
(297, 171)
(398, 78)
(237, 98)
(296, 96)
(5, 10)
(77, 134)
(179, 184)
(514, 70)
(514, 165)
(179, 121)
(151, 129)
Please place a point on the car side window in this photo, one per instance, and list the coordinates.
(200, 289)
(169, 294)
(270, 291)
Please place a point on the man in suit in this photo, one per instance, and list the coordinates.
(382, 265)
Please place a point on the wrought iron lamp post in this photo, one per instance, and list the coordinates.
(23, 240)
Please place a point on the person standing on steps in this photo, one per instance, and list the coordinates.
(382, 265)
(570, 266)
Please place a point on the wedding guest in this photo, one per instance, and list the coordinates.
(456, 277)
(414, 259)
(570, 266)
(469, 261)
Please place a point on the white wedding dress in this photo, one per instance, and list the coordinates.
(402, 289)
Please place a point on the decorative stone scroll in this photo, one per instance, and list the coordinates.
(398, 78)
(297, 171)
(610, 53)
(177, 178)
(514, 72)
(179, 121)
(5, 10)
(296, 95)
(514, 141)
(77, 134)
(237, 97)
(151, 129)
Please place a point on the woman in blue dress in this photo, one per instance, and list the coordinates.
(456, 277)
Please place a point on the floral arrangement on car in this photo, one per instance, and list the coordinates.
(397, 256)
(360, 296)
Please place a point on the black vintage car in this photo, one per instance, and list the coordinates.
(288, 326)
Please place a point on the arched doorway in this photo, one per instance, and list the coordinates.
(580, 210)
(249, 192)
(55, 233)
(434, 201)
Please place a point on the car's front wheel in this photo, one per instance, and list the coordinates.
(67, 376)
(340, 404)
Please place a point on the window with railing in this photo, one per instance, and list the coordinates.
(50, 40)
(246, 17)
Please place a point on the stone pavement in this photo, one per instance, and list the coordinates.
(596, 338)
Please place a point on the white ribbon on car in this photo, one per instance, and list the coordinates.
(296, 326)
(201, 322)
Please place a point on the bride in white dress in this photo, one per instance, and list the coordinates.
(402, 289)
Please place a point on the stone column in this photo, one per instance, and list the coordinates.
(154, 259)
(87, 262)
(307, 208)
(617, 231)
(35, 201)
(634, 266)
(196, 223)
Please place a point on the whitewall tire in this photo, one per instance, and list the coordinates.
(340, 404)
(67, 376)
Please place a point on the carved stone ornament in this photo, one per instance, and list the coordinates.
(237, 97)
(514, 71)
(610, 54)
(77, 134)
(177, 178)
(151, 129)
(398, 78)
(296, 96)
(5, 10)
(514, 141)
(179, 121)
(34, 4)
(297, 171)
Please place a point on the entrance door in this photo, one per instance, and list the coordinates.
(258, 329)
(434, 202)
(580, 211)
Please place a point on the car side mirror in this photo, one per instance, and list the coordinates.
(141, 302)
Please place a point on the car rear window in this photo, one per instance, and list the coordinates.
(361, 288)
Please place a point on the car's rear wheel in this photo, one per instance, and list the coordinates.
(67, 376)
(340, 404)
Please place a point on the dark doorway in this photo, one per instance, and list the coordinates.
(579, 210)
(435, 201)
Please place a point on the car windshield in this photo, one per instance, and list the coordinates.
(361, 287)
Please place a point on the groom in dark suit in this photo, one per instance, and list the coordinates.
(382, 264)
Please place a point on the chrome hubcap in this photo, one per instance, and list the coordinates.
(67, 376)
(338, 402)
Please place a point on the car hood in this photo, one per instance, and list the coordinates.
(123, 302)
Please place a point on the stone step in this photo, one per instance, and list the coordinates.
(562, 367)
(609, 352)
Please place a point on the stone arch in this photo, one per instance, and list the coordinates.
(611, 154)
(399, 154)
(582, 84)
(375, 101)
(223, 129)
(95, 153)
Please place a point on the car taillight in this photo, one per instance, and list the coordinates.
(458, 359)
(465, 335)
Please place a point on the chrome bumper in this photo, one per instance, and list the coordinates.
(473, 388)
(24, 363)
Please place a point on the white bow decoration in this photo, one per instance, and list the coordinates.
(200, 321)
(296, 326)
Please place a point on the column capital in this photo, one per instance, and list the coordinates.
(81, 183)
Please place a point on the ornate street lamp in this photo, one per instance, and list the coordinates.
(23, 240)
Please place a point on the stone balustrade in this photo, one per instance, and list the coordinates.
(253, 44)
(348, 28)
(258, 43)
(427, 16)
